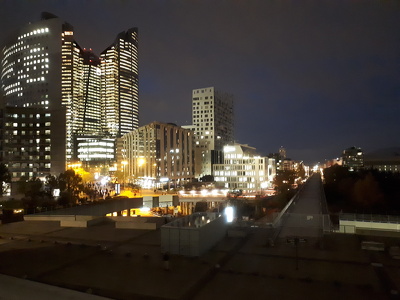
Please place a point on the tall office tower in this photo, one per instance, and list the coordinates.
(213, 120)
(120, 84)
(31, 65)
(89, 112)
(40, 68)
(43, 67)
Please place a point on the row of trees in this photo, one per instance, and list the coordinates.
(41, 194)
(364, 190)
(37, 194)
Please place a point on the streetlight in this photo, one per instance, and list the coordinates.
(124, 163)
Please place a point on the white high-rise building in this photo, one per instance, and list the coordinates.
(213, 122)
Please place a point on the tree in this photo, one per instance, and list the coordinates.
(283, 180)
(5, 178)
(30, 187)
(35, 197)
(52, 183)
(367, 192)
(207, 178)
(71, 185)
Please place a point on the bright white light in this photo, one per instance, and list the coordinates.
(204, 192)
(104, 181)
(144, 209)
(56, 192)
(264, 184)
(229, 149)
(229, 213)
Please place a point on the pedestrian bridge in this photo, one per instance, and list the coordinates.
(306, 215)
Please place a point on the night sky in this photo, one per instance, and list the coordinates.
(313, 76)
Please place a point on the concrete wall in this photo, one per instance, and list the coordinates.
(356, 226)
(49, 218)
(149, 223)
(99, 209)
(190, 241)
(171, 200)
(135, 225)
(151, 201)
(82, 221)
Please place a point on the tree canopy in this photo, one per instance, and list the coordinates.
(364, 190)
(5, 177)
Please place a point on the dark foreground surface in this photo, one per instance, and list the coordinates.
(127, 264)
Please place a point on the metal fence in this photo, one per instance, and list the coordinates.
(370, 218)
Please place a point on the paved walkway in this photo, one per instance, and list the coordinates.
(304, 217)
(13, 288)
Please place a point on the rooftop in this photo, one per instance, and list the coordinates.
(127, 264)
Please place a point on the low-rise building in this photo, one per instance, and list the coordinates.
(385, 160)
(243, 169)
(353, 158)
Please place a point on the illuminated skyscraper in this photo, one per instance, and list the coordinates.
(39, 68)
(120, 84)
(89, 112)
(43, 67)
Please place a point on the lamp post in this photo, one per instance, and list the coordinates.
(124, 163)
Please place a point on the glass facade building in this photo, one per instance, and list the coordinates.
(120, 84)
(43, 67)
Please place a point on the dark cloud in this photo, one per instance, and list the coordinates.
(313, 76)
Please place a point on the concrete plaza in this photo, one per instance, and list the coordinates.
(127, 264)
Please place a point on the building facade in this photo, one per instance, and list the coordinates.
(213, 121)
(43, 67)
(120, 84)
(244, 170)
(32, 143)
(353, 158)
(159, 153)
(383, 160)
(89, 110)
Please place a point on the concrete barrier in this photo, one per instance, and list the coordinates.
(49, 218)
(82, 221)
(135, 225)
(128, 219)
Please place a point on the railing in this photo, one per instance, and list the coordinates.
(370, 218)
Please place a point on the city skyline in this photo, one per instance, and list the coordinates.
(315, 78)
